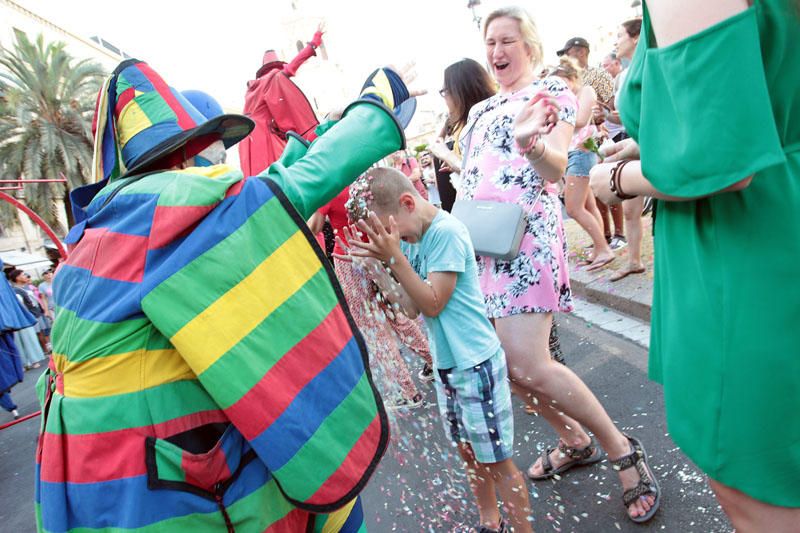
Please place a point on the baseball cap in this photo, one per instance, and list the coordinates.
(575, 41)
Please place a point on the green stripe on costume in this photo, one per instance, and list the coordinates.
(132, 334)
(156, 109)
(137, 409)
(168, 461)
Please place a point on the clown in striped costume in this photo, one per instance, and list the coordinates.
(207, 375)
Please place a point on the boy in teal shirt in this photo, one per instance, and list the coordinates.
(430, 254)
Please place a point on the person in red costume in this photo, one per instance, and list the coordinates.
(278, 107)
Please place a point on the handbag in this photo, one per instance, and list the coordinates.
(495, 228)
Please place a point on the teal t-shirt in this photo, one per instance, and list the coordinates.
(461, 336)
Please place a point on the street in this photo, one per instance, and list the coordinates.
(420, 485)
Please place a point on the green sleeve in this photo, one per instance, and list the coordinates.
(366, 133)
(701, 110)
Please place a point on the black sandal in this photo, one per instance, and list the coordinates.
(580, 457)
(501, 528)
(647, 481)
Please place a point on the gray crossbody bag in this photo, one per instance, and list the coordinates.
(495, 228)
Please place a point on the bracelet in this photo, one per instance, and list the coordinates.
(544, 152)
(525, 150)
(615, 184)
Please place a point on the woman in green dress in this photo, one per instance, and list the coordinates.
(712, 99)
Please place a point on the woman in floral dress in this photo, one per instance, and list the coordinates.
(516, 153)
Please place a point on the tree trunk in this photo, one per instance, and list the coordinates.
(68, 207)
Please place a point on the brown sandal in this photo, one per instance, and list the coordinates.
(580, 457)
(647, 481)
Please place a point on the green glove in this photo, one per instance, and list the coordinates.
(367, 133)
(296, 147)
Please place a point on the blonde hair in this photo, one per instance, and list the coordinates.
(527, 27)
(567, 68)
(379, 190)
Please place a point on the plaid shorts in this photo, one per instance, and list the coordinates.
(476, 407)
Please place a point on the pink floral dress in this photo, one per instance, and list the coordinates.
(537, 280)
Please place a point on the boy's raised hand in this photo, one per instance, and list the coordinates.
(383, 245)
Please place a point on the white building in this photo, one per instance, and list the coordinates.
(24, 245)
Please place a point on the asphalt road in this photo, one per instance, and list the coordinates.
(420, 485)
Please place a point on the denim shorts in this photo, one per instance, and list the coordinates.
(580, 162)
(476, 406)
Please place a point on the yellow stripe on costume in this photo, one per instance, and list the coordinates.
(337, 519)
(131, 121)
(209, 335)
(121, 374)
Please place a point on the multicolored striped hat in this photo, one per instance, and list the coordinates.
(140, 121)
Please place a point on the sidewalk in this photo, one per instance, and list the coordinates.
(632, 295)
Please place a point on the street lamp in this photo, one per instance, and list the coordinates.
(471, 5)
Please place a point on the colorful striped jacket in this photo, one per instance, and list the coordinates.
(206, 371)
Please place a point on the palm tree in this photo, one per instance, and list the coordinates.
(46, 120)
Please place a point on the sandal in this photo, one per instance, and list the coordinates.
(501, 529)
(580, 457)
(647, 481)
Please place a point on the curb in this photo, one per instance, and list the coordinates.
(616, 302)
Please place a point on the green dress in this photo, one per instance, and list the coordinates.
(707, 112)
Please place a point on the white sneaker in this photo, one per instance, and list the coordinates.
(15, 413)
(618, 242)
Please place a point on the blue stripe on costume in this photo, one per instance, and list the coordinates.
(103, 300)
(129, 503)
(137, 79)
(355, 520)
(143, 141)
(224, 220)
(133, 214)
(321, 396)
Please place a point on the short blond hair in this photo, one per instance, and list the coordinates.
(378, 190)
(527, 27)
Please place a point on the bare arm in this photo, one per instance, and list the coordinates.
(633, 182)
(554, 163)
(674, 20)
(587, 98)
(316, 222)
(441, 151)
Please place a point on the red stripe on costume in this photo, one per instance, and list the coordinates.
(235, 189)
(207, 469)
(173, 222)
(295, 520)
(99, 457)
(82, 255)
(353, 466)
(184, 120)
(284, 381)
(122, 100)
(121, 257)
(110, 255)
